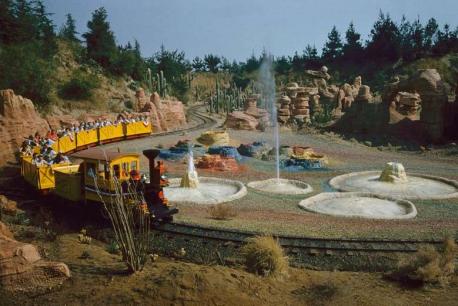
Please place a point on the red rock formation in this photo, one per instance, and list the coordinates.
(217, 162)
(22, 268)
(241, 121)
(165, 115)
(18, 119)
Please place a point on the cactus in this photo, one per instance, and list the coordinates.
(226, 99)
(161, 84)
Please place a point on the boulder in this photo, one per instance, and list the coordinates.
(241, 121)
(23, 270)
(7, 206)
(393, 173)
(18, 120)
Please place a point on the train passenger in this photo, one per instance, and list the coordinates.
(61, 159)
(52, 134)
(37, 160)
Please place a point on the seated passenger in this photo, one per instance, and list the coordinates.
(50, 153)
(52, 135)
(61, 159)
(37, 160)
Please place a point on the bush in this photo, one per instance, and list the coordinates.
(113, 247)
(79, 87)
(221, 212)
(264, 256)
(428, 265)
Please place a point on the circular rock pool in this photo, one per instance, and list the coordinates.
(418, 186)
(281, 186)
(210, 191)
(362, 205)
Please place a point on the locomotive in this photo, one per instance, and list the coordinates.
(92, 180)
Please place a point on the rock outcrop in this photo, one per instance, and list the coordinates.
(251, 118)
(432, 92)
(165, 115)
(18, 120)
(23, 270)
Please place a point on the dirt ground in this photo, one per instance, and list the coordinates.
(101, 280)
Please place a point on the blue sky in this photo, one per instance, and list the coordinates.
(237, 28)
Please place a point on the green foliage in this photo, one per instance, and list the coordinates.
(79, 87)
(212, 62)
(68, 30)
(100, 40)
(333, 47)
(26, 72)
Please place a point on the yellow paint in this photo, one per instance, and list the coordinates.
(68, 183)
(67, 144)
(137, 128)
(85, 138)
(111, 132)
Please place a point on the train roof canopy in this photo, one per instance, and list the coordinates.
(101, 154)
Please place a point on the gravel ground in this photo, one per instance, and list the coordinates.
(280, 214)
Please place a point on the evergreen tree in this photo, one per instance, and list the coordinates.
(311, 58)
(100, 40)
(198, 64)
(384, 44)
(212, 62)
(333, 47)
(430, 35)
(139, 68)
(282, 65)
(7, 21)
(68, 30)
(352, 49)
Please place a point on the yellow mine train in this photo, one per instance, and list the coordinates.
(93, 177)
(43, 177)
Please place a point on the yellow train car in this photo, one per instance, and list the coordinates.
(67, 144)
(40, 177)
(110, 133)
(137, 128)
(85, 139)
(99, 167)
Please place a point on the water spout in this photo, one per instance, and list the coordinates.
(267, 79)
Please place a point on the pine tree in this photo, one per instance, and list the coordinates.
(68, 30)
(430, 36)
(100, 40)
(385, 41)
(198, 64)
(212, 62)
(352, 49)
(333, 47)
(7, 21)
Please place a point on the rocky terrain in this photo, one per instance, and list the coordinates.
(19, 119)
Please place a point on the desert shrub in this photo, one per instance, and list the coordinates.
(84, 238)
(129, 104)
(264, 256)
(79, 87)
(113, 247)
(221, 212)
(21, 219)
(85, 255)
(428, 266)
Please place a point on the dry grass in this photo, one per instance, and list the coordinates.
(264, 256)
(221, 212)
(429, 266)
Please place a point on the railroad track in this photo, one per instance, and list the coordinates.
(205, 123)
(298, 242)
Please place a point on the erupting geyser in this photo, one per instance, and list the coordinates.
(190, 178)
(276, 185)
(206, 190)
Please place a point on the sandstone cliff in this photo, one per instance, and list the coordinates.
(18, 119)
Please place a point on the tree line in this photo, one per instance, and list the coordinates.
(29, 41)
